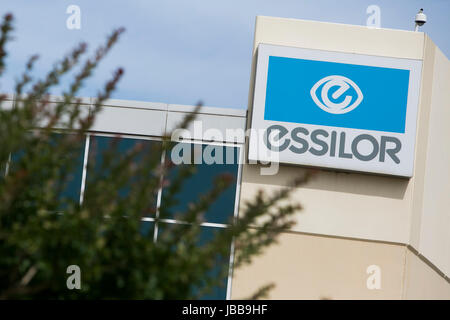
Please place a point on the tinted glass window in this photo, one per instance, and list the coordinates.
(98, 147)
(202, 180)
(72, 185)
(206, 234)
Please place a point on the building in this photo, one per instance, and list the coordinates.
(363, 234)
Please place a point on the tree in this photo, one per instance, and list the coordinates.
(44, 231)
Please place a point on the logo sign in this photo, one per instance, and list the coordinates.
(343, 84)
(336, 110)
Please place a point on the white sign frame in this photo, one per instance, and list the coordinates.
(258, 151)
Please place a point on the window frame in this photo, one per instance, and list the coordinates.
(240, 157)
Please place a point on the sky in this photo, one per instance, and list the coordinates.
(181, 52)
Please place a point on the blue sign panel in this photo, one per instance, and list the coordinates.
(336, 94)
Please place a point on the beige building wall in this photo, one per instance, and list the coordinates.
(434, 241)
(305, 266)
(422, 280)
(321, 256)
(315, 267)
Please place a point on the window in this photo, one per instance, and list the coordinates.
(221, 261)
(217, 216)
(221, 211)
(99, 144)
(72, 184)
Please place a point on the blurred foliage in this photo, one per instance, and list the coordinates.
(43, 231)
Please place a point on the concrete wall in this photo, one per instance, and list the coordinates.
(305, 266)
(434, 241)
(422, 280)
(314, 267)
(393, 211)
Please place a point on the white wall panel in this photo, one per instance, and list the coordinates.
(213, 127)
(63, 122)
(6, 104)
(130, 121)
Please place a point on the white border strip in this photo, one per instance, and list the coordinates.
(236, 213)
(85, 161)
(158, 199)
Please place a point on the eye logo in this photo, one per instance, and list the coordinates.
(341, 85)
